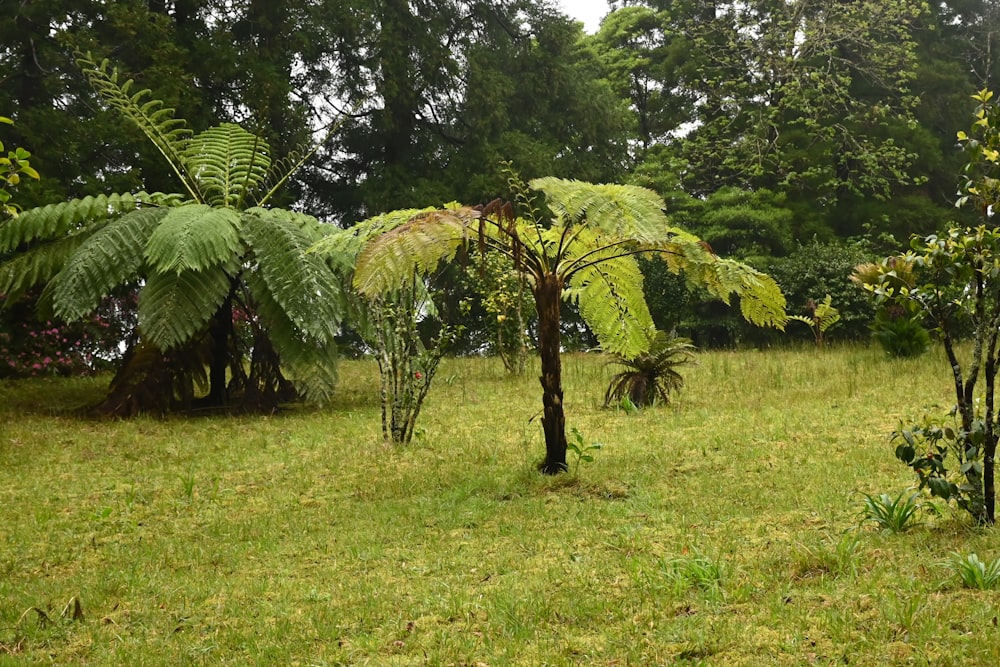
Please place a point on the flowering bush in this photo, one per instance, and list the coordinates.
(30, 347)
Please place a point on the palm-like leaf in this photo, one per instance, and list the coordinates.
(299, 282)
(173, 307)
(231, 164)
(110, 257)
(622, 211)
(420, 245)
(194, 237)
(170, 135)
(36, 266)
(56, 220)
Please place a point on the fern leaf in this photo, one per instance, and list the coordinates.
(53, 220)
(612, 303)
(231, 164)
(194, 237)
(310, 364)
(110, 257)
(173, 307)
(301, 283)
(341, 247)
(170, 135)
(36, 266)
(420, 245)
(622, 211)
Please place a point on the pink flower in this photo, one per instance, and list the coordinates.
(418, 375)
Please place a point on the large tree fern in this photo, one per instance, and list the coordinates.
(585, 250)
(222, 279)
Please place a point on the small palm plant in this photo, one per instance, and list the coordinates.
(894, 515)
(975, 573)
(651, 376)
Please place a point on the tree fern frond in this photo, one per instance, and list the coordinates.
(231, 164)
(302, 284)
(173, 307)
(624, 211)
(342, 246)
(36, 266)
(307, 224)
(110, 257)
(54, 220)
(194, 237)
(311, 364)
(418, 245)
(170, 135)
(613, 305)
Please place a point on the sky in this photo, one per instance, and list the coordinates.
(589, 11)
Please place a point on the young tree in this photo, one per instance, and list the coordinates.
(953, 279)
(200, 259)
(584, 250)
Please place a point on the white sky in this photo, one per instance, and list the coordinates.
(589, 11)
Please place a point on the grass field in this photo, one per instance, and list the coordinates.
(723, 530)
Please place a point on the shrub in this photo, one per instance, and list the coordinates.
(651, 376)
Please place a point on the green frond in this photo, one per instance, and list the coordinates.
(311, 365)
(761, 300)
(194, 237)
(170, 135)
(307, 224)
(36, 266)
(110, 257)
(420, 245)
(623, 211)
(230, 162)
(613, 305)
(54, 220)
(301, 283)
(173, 307)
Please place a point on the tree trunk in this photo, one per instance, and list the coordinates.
(548, 293)
(221, 328)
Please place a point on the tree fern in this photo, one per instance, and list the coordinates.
(173, 307)
(36, 266)
(110, 257)
(194, 237)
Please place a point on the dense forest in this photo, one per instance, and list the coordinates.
(800, 136)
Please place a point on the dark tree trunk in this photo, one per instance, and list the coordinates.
(548, 294)
(221, 329)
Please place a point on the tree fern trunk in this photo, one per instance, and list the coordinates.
(221, 328)
(548, 292)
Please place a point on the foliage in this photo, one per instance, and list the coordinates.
(12, 166)
(583, 250)
(821, 317)
(390, 324)
(651, 376)
(893, 515)
(976, 574)
(925, 448)
(900, 333)
(199, 257)
(507, 302)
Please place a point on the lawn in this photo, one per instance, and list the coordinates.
(722, 530)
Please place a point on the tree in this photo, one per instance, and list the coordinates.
(12, 166)
(953, 279)
(203, 261)
(584, 249)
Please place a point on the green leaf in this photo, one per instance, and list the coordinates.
(194, 237)
(173, 307)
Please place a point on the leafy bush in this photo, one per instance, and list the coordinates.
(899, 333)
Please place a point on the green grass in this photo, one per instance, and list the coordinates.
(723, 530)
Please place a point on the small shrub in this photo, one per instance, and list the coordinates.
(976, 574)
(899, 333)
(652, 376)
(892, 515)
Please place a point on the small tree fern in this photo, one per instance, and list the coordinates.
(652, 375)
(224, 281)
(583, 249)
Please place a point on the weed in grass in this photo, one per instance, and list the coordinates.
(901, 612)
(695, 571)
(187, 486)
(581, 450)
(893, 515)
(976, 574)
(827, 558)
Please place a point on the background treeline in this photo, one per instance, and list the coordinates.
(800, 136)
